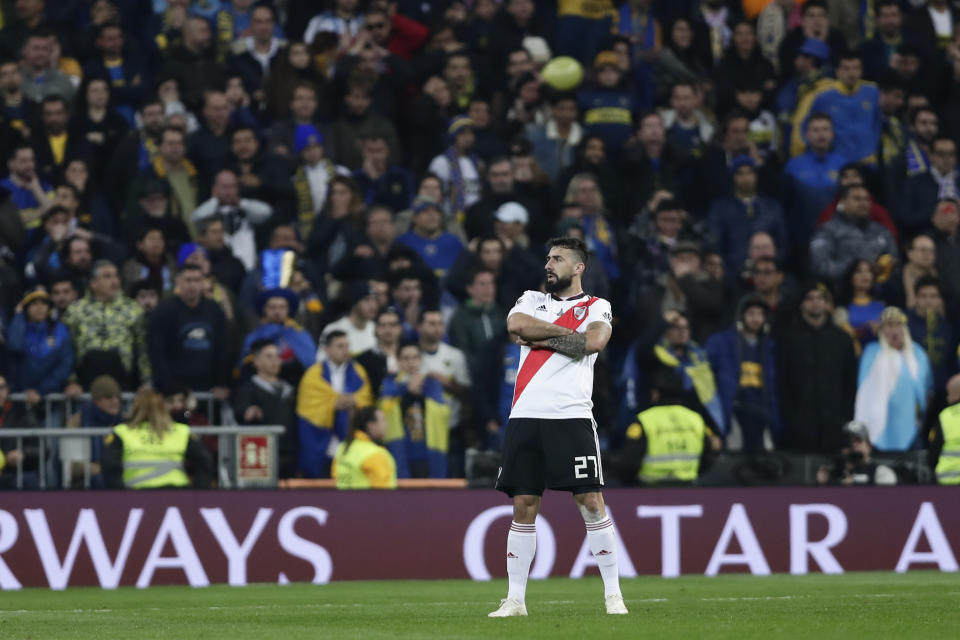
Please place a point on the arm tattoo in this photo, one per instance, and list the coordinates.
(573, 345)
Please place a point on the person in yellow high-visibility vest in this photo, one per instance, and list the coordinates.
(361, 462)
(150, 450)
(667, 443)
(945, 437)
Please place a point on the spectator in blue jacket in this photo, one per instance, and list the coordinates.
(607, 108)
(733, 219)
(42, 345)
(810, 180)
(742, 359)
(298, 351)
(438, 248)
(854, 106)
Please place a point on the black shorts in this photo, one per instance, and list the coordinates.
(540, 453)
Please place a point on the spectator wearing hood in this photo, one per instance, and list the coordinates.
(894, 385)
(296, 348)
(742, 359)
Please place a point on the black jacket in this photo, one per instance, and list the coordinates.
(209, 153)
(279, 406)
(188, 345)
(817, 380)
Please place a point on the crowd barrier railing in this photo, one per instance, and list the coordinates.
(246, 455)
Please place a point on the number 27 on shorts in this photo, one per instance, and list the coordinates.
(580, 466)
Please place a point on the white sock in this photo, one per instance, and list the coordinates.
(603, 546)
(521, 545)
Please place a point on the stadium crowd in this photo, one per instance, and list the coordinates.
(307, 208)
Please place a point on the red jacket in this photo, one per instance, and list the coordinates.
(406, 37)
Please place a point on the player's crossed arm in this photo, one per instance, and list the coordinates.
(529, 329)
(575, 345)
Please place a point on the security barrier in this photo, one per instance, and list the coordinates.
(234, 467)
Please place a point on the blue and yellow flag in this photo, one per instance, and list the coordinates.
(319, 421)
(415, 433)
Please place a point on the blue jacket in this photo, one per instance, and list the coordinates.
(857, 121)
(285, 336)
(608, 113)
(45, 354)
(811, 184)
(439, 253)
(732, 225)
(723, 350)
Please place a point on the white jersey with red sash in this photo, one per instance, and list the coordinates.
(552, 385)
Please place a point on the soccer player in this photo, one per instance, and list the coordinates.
(551, 440)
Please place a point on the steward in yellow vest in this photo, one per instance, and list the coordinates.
(360, 461)
(668, 441)
(945, 437)
(150, 450)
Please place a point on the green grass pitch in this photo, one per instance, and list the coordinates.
(857, 605)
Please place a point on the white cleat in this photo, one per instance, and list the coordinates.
(615, 605)
(510, 607)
